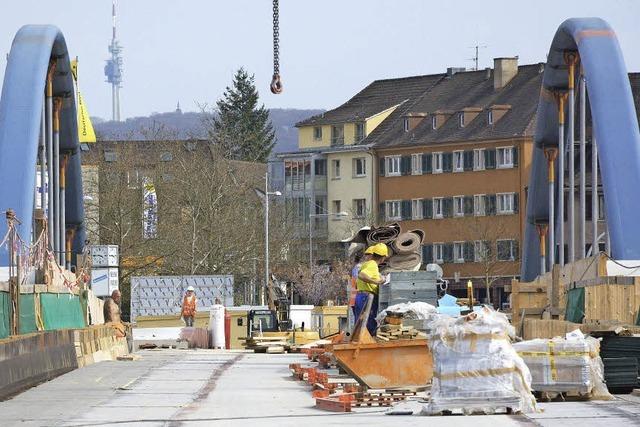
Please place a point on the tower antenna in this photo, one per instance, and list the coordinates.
(113, 68)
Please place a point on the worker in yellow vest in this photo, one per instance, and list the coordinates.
(369, 279)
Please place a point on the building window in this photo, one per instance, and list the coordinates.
(479, 205)
(110, 156)
(437, 207)
(337, 135)
(416, 209)
(337, 206)
(490, 117)
(335, 169)
(359, 167)
(507, 250)
(505, 203)
(461, 119)
(317, 133)
(393, 210)
(359, 132)
(437, 162)
(458, 252)
(480, 251)
(321, 167)
(601, 207)
(505, 157)
(434, 122)
(458, 161)
(393, 165)
(438, 253)
(405, 124)
(133, 179)
(458, 206)
(166, 156)
(416, 164)
(360, 208)
(478, 159)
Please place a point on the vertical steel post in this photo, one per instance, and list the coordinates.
(542, 234)
(49, 120)
(43, 154)
(571, 61)
(594, 194)
(266, 237)
(57, 104)
(583, 167)
(561, 97)
(63, 212)
(551, 154)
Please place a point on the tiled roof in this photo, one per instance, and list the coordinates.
(470, 89)
(375, 98)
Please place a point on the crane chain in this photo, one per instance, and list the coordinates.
(276, 83)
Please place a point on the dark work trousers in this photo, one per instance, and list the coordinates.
(361, 302)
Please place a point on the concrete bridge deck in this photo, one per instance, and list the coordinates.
(208, 387)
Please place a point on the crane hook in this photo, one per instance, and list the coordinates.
(276, 84)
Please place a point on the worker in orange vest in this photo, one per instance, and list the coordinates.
(189, 306)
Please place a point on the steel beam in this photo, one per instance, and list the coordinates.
(583, 167)
(571, 61)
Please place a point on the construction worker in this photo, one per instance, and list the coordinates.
(112, 315)
(189, 306)
(369, 279)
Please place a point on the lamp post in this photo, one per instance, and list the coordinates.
(335, 214)
(267, 193)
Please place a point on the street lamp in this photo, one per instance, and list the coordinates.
(267, 193)
(335, 214)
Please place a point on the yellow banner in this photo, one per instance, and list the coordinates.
(86, 133)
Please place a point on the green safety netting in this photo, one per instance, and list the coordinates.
(575, 305)
(61, 311)
(4, 314)
(27, 314)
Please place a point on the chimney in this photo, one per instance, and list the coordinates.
(505, 69)
(487, 74)
(453, 70)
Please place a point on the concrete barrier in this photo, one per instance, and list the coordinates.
(27, 360)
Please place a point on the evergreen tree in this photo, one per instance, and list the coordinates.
(240, 128)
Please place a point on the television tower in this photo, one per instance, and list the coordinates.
(113, 69)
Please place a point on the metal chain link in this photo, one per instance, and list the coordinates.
(276, 84)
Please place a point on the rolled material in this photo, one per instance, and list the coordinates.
(384, 234)
(216, 324)
(408, 261)
(406, 243)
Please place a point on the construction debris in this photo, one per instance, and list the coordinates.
(398, 332)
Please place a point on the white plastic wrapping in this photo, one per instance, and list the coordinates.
(410, 310)
(475, 366)
(570, 364)
(216, 325)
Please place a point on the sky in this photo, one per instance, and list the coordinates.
(188, 50)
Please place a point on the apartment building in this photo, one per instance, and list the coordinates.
(456, 164)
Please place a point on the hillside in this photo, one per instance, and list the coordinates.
(180, 125)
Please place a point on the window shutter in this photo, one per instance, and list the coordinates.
(503, 250)
(516, 202)
(447, 207)
(405, 209)
(382, 214)
(427, 253)
(468, 205)
(382, 165)
(468, 160)
(490, 158)
(515, 156)
(468, 251)
(516, 250)
(447, 252)
(427, 163)
(405, 165)
(490, 204)
(427, 208)
(447, 162)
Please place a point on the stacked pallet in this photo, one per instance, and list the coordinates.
(398, 332)
(271, 345)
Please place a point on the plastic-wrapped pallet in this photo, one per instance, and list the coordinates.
(562, 365)
(476, 369)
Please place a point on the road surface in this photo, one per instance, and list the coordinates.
(208, 387)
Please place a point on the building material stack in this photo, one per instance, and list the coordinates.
(621, 357)
(405, 247)
(476, 369)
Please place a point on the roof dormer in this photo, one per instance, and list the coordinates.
(438, 118)
(495, 112)
(466, 115)
(411, 120)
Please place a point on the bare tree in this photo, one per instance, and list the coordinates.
(323, 283)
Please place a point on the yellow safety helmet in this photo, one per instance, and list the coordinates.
(369, 250)
(380, 249)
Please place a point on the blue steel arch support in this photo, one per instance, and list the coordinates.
(615, 127)
(21, 105)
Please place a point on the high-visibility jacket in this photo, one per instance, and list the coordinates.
(353, 288)
(189, 305)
